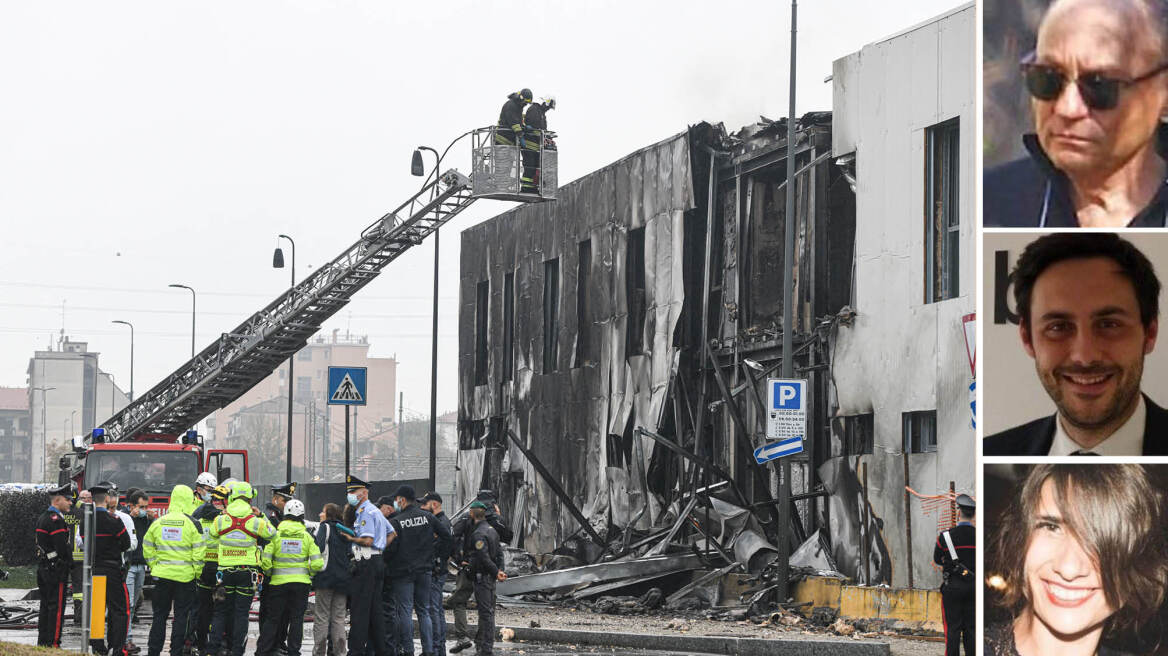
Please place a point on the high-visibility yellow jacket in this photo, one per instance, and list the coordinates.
(206, 514)
(173, 546)
(293, 556)
(238, 531)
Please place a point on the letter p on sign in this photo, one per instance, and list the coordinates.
(786, 395)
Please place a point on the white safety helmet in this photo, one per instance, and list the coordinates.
(207, 479)
(294, 508)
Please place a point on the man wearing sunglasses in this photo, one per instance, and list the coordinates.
(1098, 90)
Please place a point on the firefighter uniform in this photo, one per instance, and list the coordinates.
(54, 541)
(109, 542)
(367, 623)
(486, 561)
(205, 585)
(238, 531)
(290, 561)
(957, 592)
(275, 515)
(510, 127)
(534, 129)
(174, 550)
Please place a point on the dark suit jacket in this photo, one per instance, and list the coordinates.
(1035, 438)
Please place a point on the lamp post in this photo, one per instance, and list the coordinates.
(278, 263)
(44, 429)
(416, 169)
(127, 323)
(72, 429)
(192, 315)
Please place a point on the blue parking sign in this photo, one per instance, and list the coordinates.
(786, 409)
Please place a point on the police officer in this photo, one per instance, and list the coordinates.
(205, 585)
(83, 497)
(54, 541)
(290, 560)
(274, 512)
(238, 529)
(109, 542)
(486, 566)
(372, 532)
(954, 552)
(432, 503)
(411, 566)
(388, 605)
(173, 547)
(464, 585)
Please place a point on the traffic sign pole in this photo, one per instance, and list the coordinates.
(346, 444)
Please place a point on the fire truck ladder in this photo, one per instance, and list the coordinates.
(238, 360)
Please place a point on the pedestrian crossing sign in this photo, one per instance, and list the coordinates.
(346, 385)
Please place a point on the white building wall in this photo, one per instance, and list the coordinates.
(902, 354)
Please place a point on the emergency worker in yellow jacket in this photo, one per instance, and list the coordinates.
(173, 548)
(238, 530)
(290, 561)
(205, 585)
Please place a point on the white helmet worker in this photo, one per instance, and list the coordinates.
(294, 508)
(207, 479)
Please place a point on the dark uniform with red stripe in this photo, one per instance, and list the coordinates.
(112, 540)
(957, 596)
(54, 541)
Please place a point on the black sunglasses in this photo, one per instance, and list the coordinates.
(1098, 91)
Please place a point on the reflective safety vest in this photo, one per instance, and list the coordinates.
(292, 557)
(211, 554)
(173, 547)
(238, 531)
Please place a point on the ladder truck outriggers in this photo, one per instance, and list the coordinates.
(150, 443)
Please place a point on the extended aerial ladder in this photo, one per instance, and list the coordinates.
(238, 360)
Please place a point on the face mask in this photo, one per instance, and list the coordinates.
(206, 496)
(352, 499)
(396, 507)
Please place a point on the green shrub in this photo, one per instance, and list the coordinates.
(18, 517)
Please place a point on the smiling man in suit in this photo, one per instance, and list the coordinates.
(1088, 313)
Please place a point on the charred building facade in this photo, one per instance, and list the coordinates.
(614, 345)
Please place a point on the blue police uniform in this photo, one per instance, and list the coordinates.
(367, 623)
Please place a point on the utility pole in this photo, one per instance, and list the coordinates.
(788, 369)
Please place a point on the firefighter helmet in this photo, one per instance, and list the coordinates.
(220, 493)
(241, 490)
(294, 508)
(525, 95)
(207, 479)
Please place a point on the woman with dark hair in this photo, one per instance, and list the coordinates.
(1094, 561)
(331, 584)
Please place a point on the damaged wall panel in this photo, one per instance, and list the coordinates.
(565, 412)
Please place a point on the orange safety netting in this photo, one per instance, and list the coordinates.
(943, 505)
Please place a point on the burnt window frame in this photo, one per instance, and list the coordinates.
(584, 355)
(482, 331)
(551, 314)
(508, 327)
(636, 294)
(859, 434)
(919, 431)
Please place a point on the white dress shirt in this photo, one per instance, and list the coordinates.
(1127, 440)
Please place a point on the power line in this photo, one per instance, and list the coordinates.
(148, 290)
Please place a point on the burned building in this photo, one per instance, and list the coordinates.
(614, 344)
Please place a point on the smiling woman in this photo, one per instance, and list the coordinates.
(1094, 565)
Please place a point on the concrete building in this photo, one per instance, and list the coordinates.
(82, 396)
(258, 419)
(15, 436)
(904, 112)
(614, 344)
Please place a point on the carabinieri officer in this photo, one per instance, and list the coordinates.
(367, 622)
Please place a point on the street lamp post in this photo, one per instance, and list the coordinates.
(44, 429)
(192, 315)
(127, 323)
(417, 170)
(72, 429)
(278, 263)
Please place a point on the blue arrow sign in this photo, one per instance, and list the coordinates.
(346, 385)
(773, 450)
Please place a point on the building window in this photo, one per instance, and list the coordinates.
(583, 306)
(635, 292)
(508, 326)
(920, 431)
(551, 314)
(304, 354)
(482, 297)
(942, 224)
(303, 388)
(859, 434)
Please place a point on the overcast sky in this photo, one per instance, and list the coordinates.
(148, 143)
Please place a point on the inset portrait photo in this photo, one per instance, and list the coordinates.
(1077, 561)
(1071, 362)
(1075, 95)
